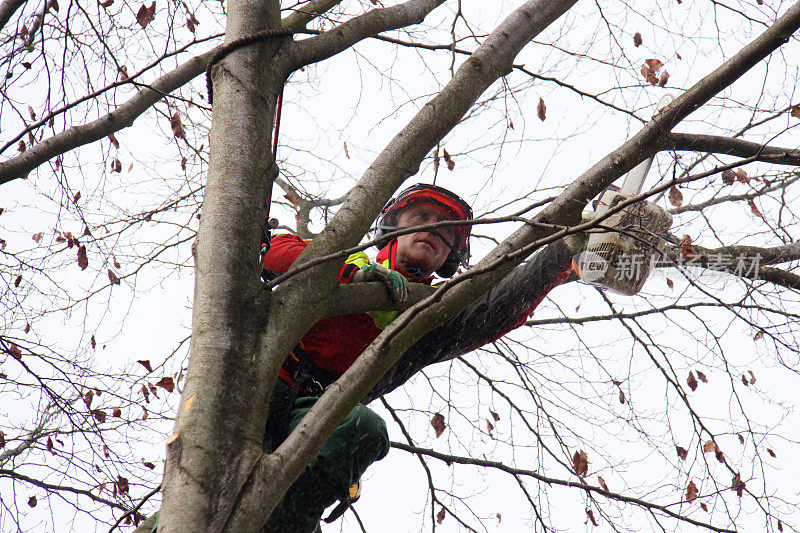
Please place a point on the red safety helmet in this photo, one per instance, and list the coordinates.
(458, 209)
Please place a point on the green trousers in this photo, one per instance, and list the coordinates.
(360, 440)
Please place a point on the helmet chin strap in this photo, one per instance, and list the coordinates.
(435, 232)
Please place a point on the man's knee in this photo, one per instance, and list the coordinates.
(369, 431)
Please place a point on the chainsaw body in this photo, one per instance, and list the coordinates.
(621, 254)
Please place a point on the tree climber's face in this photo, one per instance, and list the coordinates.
(424, 249)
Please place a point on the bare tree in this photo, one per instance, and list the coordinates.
(217, 477)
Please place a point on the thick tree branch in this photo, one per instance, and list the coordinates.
(7, 10)
(22, 164)
(122, 117)
(301, 17)
(731, 146)
(743, 261)
(357, 29)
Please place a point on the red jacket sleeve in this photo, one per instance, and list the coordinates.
(284, 250)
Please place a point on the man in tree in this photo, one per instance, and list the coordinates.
(333, 344)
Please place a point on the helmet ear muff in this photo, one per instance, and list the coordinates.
(449, 267)
(455, 259)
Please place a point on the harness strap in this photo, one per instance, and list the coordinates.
(307, 379)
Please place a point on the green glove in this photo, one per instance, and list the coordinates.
(394, 281)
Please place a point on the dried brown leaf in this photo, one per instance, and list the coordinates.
(438, 424)
(87, 399)
(621, 397)
(15, 351)
(675, 196)
(541, 110)
(637, 39)
(687, 250)
(692, 382)
(702, 376)
(737, 485)
(602, 482)
(32, 501)
(177, 126)
(122, 485)
(691, 492)
(709, 446)
(146, 364)
(113, 277)
(590, 516)
(741, 175)
(580, 461)
(728, 177)
(166, 383)
(663, 79)
(145, 15)
(449, 160)
(795, 112)
(754, 208)
(682, 452)
(440, 516)
(654, 64)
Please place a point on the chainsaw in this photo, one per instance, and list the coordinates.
(621, 253)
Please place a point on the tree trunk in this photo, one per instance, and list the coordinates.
(217, 435)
